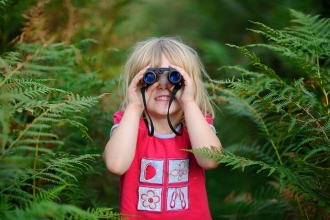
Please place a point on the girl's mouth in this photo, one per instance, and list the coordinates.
(163, 98)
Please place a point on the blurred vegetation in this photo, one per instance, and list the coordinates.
(291, 142)
(89, 41)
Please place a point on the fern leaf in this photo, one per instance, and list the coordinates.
(49, 195)
(324, 149)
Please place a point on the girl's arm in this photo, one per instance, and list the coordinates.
(120, 149)
(200, 133)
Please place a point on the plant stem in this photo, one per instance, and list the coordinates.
(321, 85)
(300, 208)
(35, 166)
(262, 122)
(22, 133)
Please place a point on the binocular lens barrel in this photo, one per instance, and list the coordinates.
(150, 76)
(174, 77)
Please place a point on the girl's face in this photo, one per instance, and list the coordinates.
(160, 97)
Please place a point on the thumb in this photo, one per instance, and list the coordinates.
(151, 88)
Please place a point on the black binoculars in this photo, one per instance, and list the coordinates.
(150, 75)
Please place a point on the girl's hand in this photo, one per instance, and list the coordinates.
(134, 90)
(186, 94)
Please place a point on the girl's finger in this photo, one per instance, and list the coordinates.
(187, 92)
(137, 80)
(184, 74)
(139, 76)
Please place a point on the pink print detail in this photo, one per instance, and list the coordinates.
(180, 171)
(174, 195)
(183, 202)
(150, 199)
(177, 193)
(149, 171)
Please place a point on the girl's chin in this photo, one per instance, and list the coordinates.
(159, 114)
(173, 113)
(160, 109)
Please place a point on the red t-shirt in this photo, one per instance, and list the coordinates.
(163, 181)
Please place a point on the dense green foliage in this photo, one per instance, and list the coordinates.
(292, 119)
(58, 92)
(36, 174)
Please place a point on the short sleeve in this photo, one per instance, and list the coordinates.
(116, 119)
(209, 120)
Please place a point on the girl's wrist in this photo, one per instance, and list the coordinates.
(134, 108)
(187, 105)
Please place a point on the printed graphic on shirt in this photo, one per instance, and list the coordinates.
(178, 171)
(177, 198)
(151, 171)
(150, 199)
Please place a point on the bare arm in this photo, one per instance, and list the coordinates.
(120, 150)
(200, 133)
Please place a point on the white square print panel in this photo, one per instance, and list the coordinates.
(150, 199)
(177, 199)
(178, 170)
(151, 171)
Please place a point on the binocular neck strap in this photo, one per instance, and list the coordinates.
(151, 129)
(177, 87)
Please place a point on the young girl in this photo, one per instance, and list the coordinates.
(158, 178)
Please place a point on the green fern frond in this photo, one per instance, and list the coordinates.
(256, 152)
(39, 134)
(36, 141)
(326, 126)
(324, 149)
(9, 60)
(31, 111)
(16, 195)
(49, 195)
(266, 201)
(66, 165)
(49, 177)
(287, 176)
(56, 114)
(317, 27)
(34, 91)
(106, 213)
(64, 168)
(230, 159)
(28, 105)
(46, 209)
(5, 204)
(309, 140)
(24, 150)
(306, 92)
(255, 61)
(33, 67)
(292, 118)
(306, 41)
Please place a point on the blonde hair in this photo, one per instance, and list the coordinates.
(179, 54)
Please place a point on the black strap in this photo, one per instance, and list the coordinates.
(151, 129)
(177, 87)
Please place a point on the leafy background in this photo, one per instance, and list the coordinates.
(84, 45)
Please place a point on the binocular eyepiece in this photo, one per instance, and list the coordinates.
(150, 76)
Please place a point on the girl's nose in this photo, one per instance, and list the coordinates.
(163, 81)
